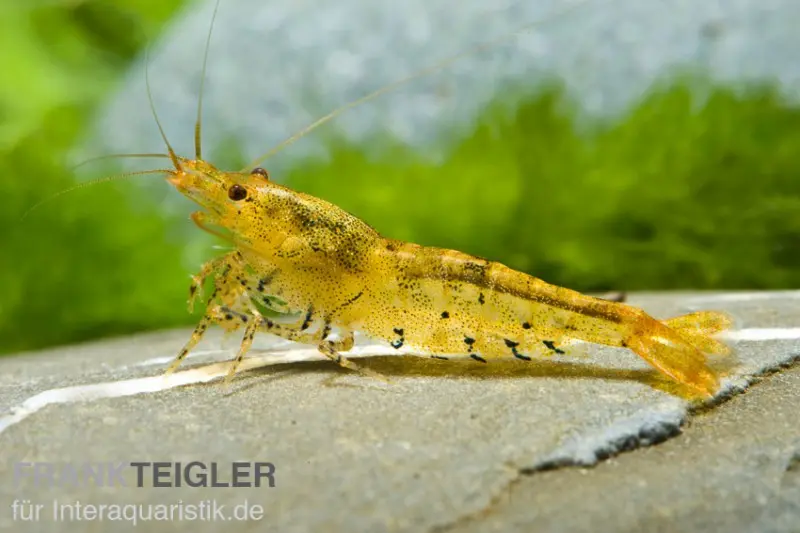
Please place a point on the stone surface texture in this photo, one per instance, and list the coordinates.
(450, 446)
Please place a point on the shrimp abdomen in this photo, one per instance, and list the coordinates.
(445, 301)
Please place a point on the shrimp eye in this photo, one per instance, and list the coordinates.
(237, 193)
(258, 171)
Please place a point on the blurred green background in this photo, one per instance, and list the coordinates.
(694, 188)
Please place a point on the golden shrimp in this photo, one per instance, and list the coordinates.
(303, 256)
(340, 274)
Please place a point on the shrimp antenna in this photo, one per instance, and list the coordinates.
(116, 156)
(419, 74)
(93, 182)
(172, 156)
(198, 125)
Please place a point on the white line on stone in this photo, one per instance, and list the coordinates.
(762, 334)
(130, 387)
(161, 382)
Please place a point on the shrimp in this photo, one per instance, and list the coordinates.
(333, 275)
(338, 273)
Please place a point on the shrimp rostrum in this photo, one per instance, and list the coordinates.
(338, 275)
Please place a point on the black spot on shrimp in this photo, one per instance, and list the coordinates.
(513, 345)
(552, 346)
(307, 320)
(399, 342)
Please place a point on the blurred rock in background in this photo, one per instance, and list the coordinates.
(276, 66)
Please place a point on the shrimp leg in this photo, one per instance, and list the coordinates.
(221, 267)
(296, 333)
(331, 350)
(224, 290)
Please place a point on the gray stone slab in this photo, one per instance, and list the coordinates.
(736, 468)
(351, 454)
